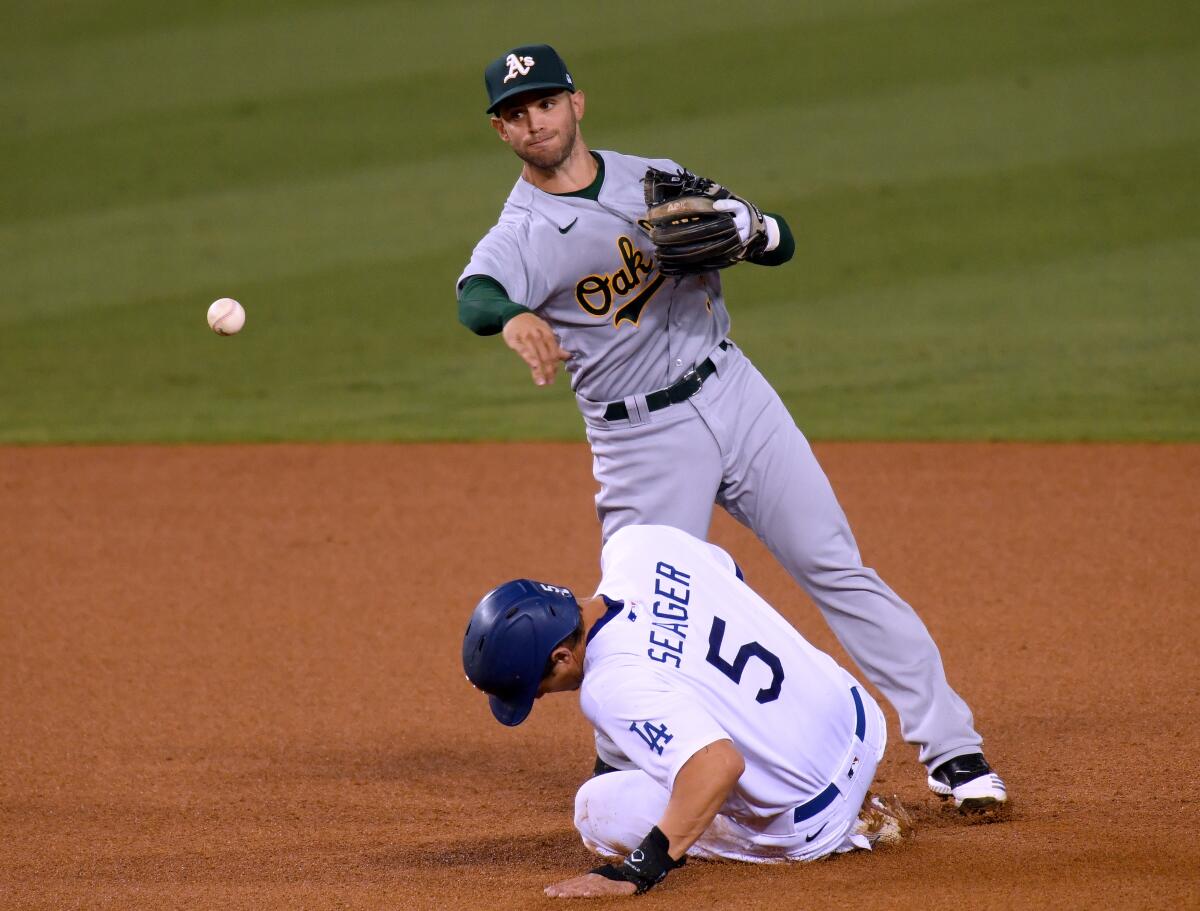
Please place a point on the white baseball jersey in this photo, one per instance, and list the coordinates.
(691, 655)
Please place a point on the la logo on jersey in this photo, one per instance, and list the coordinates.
(517, 66)
(654, 735)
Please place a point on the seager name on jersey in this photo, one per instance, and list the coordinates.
(669, 630)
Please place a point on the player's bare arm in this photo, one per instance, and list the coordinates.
(700, 788)
(531, 337)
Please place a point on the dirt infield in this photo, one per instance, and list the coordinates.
(230, 678)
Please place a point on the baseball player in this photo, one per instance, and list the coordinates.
(676, 415)
(731, 735)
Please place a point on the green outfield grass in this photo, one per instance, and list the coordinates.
(997, 209)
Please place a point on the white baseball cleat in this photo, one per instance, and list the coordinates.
(883, 820)
(970, 781)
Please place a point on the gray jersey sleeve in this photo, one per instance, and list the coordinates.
(499, 256)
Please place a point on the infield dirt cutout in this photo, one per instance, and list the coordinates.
(230, 676)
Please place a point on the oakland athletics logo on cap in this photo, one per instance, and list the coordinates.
(528, 68)
(517, 66)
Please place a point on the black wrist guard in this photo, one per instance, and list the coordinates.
(646, 866)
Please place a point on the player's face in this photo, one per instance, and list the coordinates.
(541, 129)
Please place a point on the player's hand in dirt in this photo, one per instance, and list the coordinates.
(531, 337)
(590, 885)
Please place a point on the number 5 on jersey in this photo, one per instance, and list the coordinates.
(745, 653)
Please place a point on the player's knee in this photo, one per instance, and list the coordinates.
(587, 826)
(598, 819)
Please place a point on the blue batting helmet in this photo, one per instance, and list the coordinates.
(510, 637)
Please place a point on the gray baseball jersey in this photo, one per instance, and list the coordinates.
(588, 269)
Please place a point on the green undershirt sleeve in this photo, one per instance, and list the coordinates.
(484, 307)
(782, 253)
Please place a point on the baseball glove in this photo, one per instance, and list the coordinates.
(688, 233)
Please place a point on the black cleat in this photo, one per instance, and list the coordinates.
(970, 781)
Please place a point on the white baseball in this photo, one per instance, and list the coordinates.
(226, 316)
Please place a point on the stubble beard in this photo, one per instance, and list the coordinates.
(547, 159)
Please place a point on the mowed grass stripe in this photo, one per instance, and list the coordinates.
(64, 264)
(359, 354)
(228, 240)
(333, 126)
(195, 62)
(993, 206)
(889, 235)
(931, 131)
(73, 24)
(1099, 346)
(1095, 346)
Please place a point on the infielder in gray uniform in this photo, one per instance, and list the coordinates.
(676, 415)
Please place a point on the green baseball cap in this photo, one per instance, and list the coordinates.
(525, 69)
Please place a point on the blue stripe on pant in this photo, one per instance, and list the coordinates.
(811, 808)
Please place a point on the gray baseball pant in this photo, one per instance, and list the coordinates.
(734, 443)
